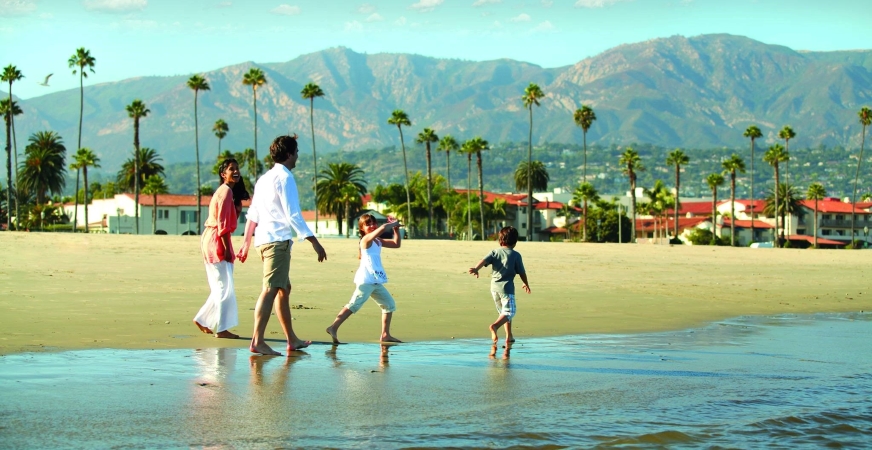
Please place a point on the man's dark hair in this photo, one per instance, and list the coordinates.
(508, 236)
(282, 148)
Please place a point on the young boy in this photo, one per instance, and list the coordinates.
(506, 263)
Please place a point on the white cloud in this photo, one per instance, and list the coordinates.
(224, 4)
(521, 18)
(547, 3)
(286, 10)
(400, 22)
(596, 3)
(478, 3)
(375, 17)
(497, 25)
(353, 26)
(426, 5)
(366, 8)
(9, 8)
(46, 16)
(544, 27)
(115, 6)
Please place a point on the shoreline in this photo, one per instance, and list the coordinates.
(66, 292)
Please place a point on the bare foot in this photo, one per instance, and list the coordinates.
(493, 352)
(390, 338)
(226, 335)
(510, 340)
(299, 345)
(202, 328)
(263, 349)
(493, 333)
(332, 334)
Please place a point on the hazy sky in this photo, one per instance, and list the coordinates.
(131, 38)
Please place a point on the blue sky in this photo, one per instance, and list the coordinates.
(131, 38)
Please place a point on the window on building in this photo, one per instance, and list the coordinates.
(163, 214)
(826, 232)
(840, 232)
(827, 217)
(840, 217)
(523, 224)
(187, 217)
(800, 231)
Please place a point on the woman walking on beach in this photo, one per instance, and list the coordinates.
(371, 277)
(218, 315)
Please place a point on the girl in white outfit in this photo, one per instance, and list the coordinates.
(371, 277)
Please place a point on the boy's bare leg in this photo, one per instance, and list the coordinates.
(344, 314)
(261, 318)
(283, 310)
(496, 326)
(509, 336)
(386, 328)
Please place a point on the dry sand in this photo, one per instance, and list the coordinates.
(61, 291)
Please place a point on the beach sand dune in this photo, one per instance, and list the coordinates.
(62, 291)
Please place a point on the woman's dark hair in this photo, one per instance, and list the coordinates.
(240, 193)
(223, 166)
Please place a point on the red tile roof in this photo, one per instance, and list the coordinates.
(758, 224)
(836, 206)
(810, 240)
(176, 200)
(694, 208)
(489, 197)
(683, 223)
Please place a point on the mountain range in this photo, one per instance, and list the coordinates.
(697, 92)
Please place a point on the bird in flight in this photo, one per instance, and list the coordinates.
(45, 83)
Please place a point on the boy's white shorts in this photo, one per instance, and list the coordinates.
(505, 304)
(378, 292)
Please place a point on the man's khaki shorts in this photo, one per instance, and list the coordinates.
(276, 257)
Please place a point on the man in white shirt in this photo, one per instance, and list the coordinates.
(274, 212)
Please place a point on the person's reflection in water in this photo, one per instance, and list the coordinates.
(507, 350)
(211, 394)
(333, 356)
(383, 359)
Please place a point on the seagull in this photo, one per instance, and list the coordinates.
(45, 83)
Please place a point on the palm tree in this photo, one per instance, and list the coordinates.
(310, 91)
(731, 166)
(584, 118)
(399, 118)
(154, 185)
(44, 166)
(787, 134)
(865, 116)
(468, 150)
(774, 156)
(816, 192)
(147, 164)
(10, 75)
(254, 78)
(136, 110)
(448, 144)
(478, 145)
(532, 94)
(220, 129)
(426, 137)
(537, 173)
(334, 186)
(714, 180)
(677, 158)
(787, 204)
(85, 158)
(753, 133)
(584, 193)
(632, 164)
(80, 61)
(197, 83)
(5, 107)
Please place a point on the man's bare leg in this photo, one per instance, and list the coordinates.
(386, 328)
(261, 317)
(283, 310)
(343, 315)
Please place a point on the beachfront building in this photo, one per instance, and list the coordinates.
(176, 215)
(547, 221)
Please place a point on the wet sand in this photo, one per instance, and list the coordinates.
(63, 292)
(782, 381)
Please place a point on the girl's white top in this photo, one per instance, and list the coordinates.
(370, 270)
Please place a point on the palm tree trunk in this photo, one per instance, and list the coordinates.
(633, 207)
(584, 224)
(677, 202)
(85, 201)
(9, 164)
(314, 158)
(480, 195)
(406, 171)
(752, 190)
(584, 165)
(530, 179)
(154, 214)
(76, 203)
(15, 170)
(254, 90)
(733, 209)
(856, 177)
(197, 158)
(714, 214)
(815, 222)
(79, 145)
(136, 172)
(448, 174)
(777, 208)
(429, 193)
(468, 196)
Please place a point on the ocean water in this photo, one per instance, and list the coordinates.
(751, 382)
